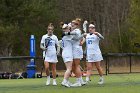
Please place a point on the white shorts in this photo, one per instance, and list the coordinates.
(94, 57)
(51, 57)
(77, 52)
(67, 55)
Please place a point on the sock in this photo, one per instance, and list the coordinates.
(54, 80)
(87, 78)
(77, 79)
(101, 78)
(81, 79)
(48, 77)
(65, 80)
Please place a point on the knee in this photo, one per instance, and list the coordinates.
(46, 67)
(69, 70)
(53, 69)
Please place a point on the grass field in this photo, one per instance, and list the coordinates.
(116, 83)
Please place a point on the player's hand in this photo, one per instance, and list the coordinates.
(82, 41)
(85, 34)
(96, 33)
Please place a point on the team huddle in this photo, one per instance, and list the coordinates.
(72, 52)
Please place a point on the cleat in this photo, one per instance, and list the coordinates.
(77, 84)
(65, 84)
(101, 81)
(69, 83)
(83, 83)
(47, 82)
(54, 83)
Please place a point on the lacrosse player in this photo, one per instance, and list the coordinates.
(67, 55)
(48, 45)
(94, 55)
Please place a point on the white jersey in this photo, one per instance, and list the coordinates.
(77, 49)
(92, 44)
(93, 50)
(76, 40)
(68, 37)
(51, 47)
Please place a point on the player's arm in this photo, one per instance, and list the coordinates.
(82, 41)
(75, 33)
(99, 35)
(58, 46)
(42, 44)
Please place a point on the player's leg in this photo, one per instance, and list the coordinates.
(100, 71)
(76, 68)
(68, 71)
(89, 70)
(54, 73)
(47, 72)
(78, 73)
(65, 81)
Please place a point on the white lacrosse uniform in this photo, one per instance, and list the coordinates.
(77, 49)
(50, 54)
(92, 48)
(67, 54)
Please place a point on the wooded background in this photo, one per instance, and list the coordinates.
(117, 20)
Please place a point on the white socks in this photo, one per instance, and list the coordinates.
(65, 80)
(101, 78)
(48, 77)
(48, 81)
(87, 79)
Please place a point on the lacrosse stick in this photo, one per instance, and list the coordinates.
(85, 26)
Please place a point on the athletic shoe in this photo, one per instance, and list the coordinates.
(88, 81)
(101, 81)
(77, 84)
(54, 82)
(82, 82)
(69, 83)
(65, 84)
(48, 82)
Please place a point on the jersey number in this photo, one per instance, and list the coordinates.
(89, 41)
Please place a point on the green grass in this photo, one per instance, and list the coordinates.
(117, 83)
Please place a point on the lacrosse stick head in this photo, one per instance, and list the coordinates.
(85, 26)
(47, 40)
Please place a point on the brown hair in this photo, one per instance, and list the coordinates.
(79, 20)
(51, 25)
(92, 22)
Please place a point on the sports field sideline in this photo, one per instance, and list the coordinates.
(114, 83)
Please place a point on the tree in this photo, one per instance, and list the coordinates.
(21, 18)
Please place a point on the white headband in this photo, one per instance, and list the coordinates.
(64, 26)
(91, 25)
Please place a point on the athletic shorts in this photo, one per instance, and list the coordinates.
(67, 54)
(77, 52)
(94, 57)
(51, 57)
